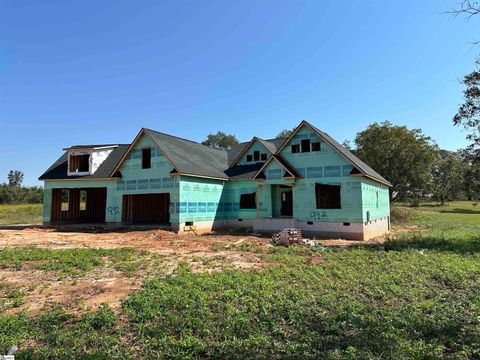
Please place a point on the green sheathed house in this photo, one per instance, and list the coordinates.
(307, 181)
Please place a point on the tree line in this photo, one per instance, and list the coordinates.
(13, 192)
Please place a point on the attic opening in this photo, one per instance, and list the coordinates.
(305, 145)
(355, 171)
(79, 163)
(146, 158)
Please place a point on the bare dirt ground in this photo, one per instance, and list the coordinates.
(162, 241)
(45, 290)
(153, 240)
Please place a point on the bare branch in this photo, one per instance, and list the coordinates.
(468, 8)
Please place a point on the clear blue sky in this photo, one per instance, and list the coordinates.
(82, 72)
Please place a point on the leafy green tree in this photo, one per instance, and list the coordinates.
(284, 133)
(447, 176)
(471, 174)
(347, 144)
(15, 178)
(20, 194)
(220, 140)
(403, 156)
(468, 114)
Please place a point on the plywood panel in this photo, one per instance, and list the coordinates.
(95, 206)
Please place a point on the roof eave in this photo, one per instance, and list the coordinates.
(374, 179)
(202, 176)
(80, 179)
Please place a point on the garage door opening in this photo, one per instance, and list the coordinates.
(146, 209)
(85, 205)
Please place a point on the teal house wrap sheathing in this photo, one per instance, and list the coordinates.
(307, 181)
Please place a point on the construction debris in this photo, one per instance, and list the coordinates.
(288, 237)
(310, 243)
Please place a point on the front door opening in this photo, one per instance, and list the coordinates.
(286, 202)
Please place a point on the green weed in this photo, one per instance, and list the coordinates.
(20, 214)
(68, 261)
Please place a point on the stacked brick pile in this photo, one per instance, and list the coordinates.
(288, 237)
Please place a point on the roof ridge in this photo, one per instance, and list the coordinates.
(184, 139)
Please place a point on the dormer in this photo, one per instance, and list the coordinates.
(85, 159)
(256, 151)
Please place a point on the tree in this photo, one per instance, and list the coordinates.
(403, 156)
(468, 114)
(284, 133)
(447, 176)
(20, 195)
(15, 178)
(347, 144)
(471, 174)
(220, 140)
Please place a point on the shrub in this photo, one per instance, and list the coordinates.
(401, 214)
(20, 195)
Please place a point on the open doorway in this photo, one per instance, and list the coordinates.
(146, 209)
(286, 201)
(83, 205)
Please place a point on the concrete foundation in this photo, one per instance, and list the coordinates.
(377, 227)
(326, 230)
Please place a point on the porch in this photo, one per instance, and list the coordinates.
(275, 202)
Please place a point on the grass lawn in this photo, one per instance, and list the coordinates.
(21, 214)
(414, 297)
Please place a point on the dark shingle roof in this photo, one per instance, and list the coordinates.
(190, 157)
(235, 151)
(58, 170)
(237, 172)
(277, 142)
(268, 145)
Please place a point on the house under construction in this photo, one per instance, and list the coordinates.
(307, 181)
